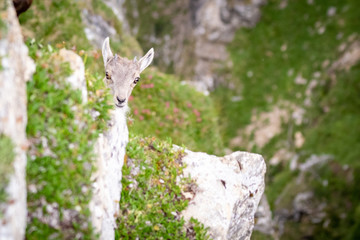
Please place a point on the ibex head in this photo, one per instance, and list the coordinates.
(122, 74)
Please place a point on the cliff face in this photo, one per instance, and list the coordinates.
(15, 69)
(192, 36)
(227, 192)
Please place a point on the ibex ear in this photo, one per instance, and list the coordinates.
(146, 60)
(106, 51)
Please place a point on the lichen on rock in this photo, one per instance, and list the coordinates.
(228, 192)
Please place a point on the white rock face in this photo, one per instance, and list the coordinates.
(110, 149)
(16, 69)
(228, 192)
(77, 78)
(97, 29)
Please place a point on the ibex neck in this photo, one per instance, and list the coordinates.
(120, 113)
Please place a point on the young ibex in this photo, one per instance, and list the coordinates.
(122, 74)
(121, 77)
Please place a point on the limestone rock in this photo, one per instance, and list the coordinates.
(96, 28)
(228, 192)
(15, 69)
(77, 78)
(117, 7)
(110, 149)
(214, 24)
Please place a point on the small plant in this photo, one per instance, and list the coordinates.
(151, 200)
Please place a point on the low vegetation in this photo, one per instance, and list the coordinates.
(292, 47)
(161, 105)
(151, 200)
(7, 156)
(60, 159)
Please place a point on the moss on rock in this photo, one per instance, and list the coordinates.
(7, 156)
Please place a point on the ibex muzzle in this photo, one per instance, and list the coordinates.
(122, 74)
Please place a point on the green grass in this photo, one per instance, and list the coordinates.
(7, 157)
(60, 170)
(164, 107)
(266, 60)
(334, 131)
(55, 22)
(151, 199)
(262, 71)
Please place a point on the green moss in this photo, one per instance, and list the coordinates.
(151, 199)
(7, 156)
(63, 134)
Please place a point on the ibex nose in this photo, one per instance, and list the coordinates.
(120, 101)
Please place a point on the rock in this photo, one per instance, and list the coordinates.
(227, 193)
(15, 69)
(281, 156)
(263, 215)
(77, 78)
(110, 149)
(195, 44)
(348, 59)
(263, 128)
(117, 7)
(299, 139)
(96, 28)
(215, 23)
(298, 202)
(314, 160)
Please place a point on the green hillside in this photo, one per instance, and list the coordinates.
(285, 63)
(303, 40)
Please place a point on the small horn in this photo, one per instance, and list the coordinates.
(135, 60)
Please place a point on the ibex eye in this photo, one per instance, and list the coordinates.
(136, 80)
(107, 75)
